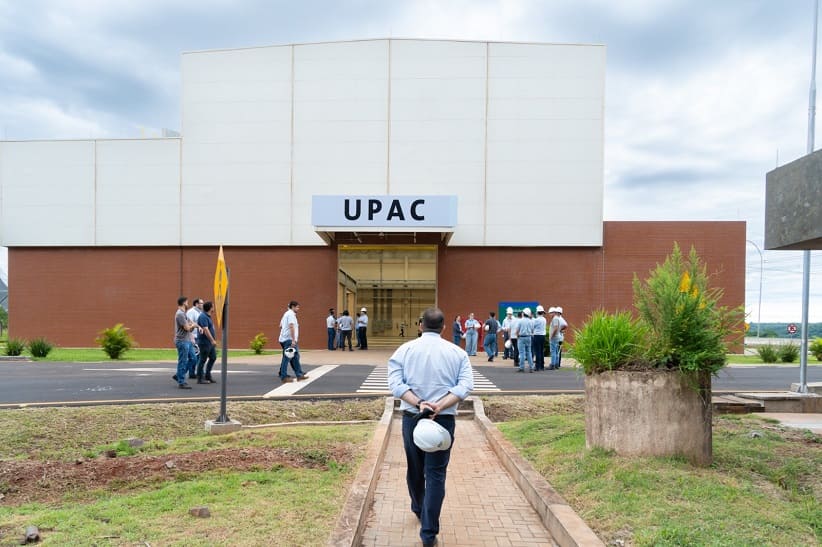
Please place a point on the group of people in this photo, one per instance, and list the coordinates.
(523, 336)
(195, 340)
(340, 329)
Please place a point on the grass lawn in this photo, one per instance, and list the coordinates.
(83, 484)
(759, 491)
(80, 355)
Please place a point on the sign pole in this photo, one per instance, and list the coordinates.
(223, 417)
(222, 424)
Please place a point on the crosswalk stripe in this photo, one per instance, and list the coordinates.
(377, 382)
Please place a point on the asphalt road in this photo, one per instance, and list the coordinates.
(36, 383)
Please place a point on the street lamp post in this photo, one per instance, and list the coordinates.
(761, 271)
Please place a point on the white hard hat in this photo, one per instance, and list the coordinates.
(552, 309)
(508, 344)
(558, 309)
(540, 308)
(429, 436)
(526, 311)
(363, 309)
(509, 310)
(487, 327)
(289, 353)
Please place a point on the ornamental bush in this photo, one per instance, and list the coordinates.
(258, 343)
(115, 341)
(610, 341)
(815, 348)
(40, 347)
(768, 353)
(679, 325)
(688, 326)
(788, 353)
(15, 346)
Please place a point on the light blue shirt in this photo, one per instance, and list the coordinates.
(525, 327)
(430, 367)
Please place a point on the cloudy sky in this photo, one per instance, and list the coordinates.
(703, 97)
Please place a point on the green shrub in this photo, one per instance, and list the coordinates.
(610, 341)
(258, 343)
(40, 347)
(768, 353)
(688, 327)
(15, 346)
(815, 348)
(788, 353)
(115, 341)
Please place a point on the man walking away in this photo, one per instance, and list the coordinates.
(429, 374)
(289, 337)
(489, 343)
(208, 345)
(182, 341)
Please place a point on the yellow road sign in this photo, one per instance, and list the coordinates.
(220, 286)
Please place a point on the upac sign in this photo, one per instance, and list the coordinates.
(384, 211)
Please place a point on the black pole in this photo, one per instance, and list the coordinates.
(223, 417)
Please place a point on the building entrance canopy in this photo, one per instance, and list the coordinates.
(398, 219)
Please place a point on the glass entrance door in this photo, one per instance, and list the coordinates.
(394, 283)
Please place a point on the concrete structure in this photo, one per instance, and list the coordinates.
(649, 413)
(793, 205)
(387, 174)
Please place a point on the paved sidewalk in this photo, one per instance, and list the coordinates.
(482, 505)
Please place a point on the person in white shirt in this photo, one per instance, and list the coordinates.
(538, 339)
(556, 336)
(193, 315)
(346, 326)
(289, 337)
(471, 328)
(506, 333)
(362, 329)
(331, 326)
(525, 329)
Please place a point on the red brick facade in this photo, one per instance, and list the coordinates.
(69, 294)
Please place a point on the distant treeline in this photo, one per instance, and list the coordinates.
(780, 330)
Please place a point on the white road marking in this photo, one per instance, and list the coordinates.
(293, 387)
(377, 382)
(161, 370)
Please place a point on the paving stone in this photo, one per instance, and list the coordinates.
(483, 506)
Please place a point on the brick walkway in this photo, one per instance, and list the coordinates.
(482, 505)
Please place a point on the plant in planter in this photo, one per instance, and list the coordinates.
(650, 392)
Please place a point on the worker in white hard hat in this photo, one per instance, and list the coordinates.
(507, 352)
(556, 336)
(362, 328)
(429, 373)
(538, 339)
(525, 331)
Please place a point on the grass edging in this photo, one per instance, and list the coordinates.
(564, 524)
(351, 522)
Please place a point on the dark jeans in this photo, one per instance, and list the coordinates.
(362, 338)
(538, 348)
(346, 335)
(332, 333)
(515, 351)
(295, 361)
(426, 476)
(208, 352)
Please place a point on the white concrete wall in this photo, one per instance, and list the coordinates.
(514, 130)
(48, 192)
(123, 192)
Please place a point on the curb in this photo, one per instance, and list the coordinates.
(351, 523)
(564, 524)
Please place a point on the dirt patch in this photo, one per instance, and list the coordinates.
(23, 481)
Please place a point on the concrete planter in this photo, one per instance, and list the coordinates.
(649, 413)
